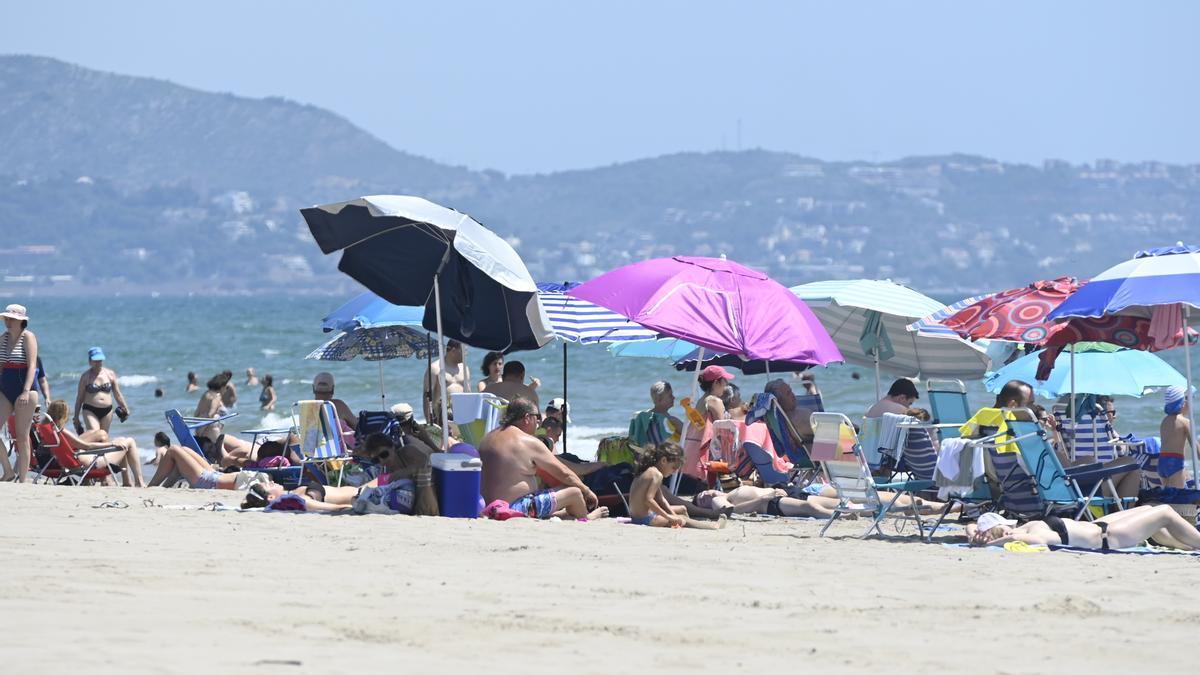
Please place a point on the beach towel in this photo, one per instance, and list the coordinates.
(956, 470)
(648, 428)
(993, 418)
(287, 502)
(759, 434)
(1166, 326)
(889, 434)
(316, 429)
(500, 510)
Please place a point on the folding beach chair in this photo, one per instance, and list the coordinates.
(764, 407)
(1091, 439)
(322, 445)
(71, 466)
(918, 457)
(1053, 485)
(722, 450)
(837, 450)
(185, 428)
(948, 405)
(476, 414)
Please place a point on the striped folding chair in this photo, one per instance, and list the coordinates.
(836, 448)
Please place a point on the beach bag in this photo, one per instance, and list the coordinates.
(616, 450)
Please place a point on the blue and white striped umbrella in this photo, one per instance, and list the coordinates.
(1155, 277)
(375, 344)
(576, 320)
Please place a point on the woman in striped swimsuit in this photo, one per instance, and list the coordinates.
(18, 350)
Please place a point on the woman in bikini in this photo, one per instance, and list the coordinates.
(127, 456)
(493, 366)
(1122, 529)
(18, 397)
(98, 388)
(266, 400)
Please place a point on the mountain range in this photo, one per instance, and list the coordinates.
(112, 183)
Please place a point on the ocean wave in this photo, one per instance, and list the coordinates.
(136, 380)
(268, 352)
(275, 420)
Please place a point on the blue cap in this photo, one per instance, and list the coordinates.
(95, 354)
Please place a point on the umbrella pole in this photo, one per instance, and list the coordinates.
(566, 405)
(878, 328)
(437, 306)
(1187, 360)
(687, 420)
(382, 395)
(1072, 413)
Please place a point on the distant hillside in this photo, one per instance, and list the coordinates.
(119, 183)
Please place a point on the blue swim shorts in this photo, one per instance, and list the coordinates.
(1169, 465)
(539, 505)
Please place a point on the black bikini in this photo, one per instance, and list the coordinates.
(99, 411)
(1055, 523)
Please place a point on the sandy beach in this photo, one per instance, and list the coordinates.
(154, 590)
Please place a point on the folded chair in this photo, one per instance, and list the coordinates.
(837, 450)
(69, 465)
(722, 450)
(948, 405)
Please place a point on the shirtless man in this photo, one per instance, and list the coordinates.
(1176, 434)
(900, 397)
(512, 456)
(800, 418)
(323, 386)
(229, 395)
(512, 384)
(458, 380)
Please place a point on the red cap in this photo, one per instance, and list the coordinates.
(713, 373)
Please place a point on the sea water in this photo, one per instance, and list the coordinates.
(152, 343)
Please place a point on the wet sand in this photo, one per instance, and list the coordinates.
(152, 590)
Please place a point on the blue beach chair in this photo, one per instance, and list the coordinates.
(185, 428)
(948, 405)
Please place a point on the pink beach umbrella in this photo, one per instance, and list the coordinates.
(716, 304)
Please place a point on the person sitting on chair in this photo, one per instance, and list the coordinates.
(900, 397)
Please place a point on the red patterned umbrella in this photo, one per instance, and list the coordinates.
(1016, 315)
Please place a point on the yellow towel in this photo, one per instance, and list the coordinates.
(312, 438)
(1022, 547)
(989, 417)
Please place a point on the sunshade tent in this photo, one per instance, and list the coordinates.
(1160, 284)
(410, 251)
(845, 307)
(1098, 369)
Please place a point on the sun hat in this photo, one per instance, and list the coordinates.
(713, 373)
(403, 412)
(992, 519)
(560, 404)
(323, 382)
(95, 354)
(1173, 399)
(15, 311)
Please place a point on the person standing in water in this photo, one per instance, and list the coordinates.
(98, 389)
(458, 380)
(1176, 433)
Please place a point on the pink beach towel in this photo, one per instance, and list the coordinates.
(500, 510)
(1166, 326)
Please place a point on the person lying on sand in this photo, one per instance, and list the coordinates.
(512, 456)
(772, 502)
(126, 454)
(647, 505)
(179, 461)
(1122, 529)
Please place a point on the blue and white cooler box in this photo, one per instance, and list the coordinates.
(457, 480)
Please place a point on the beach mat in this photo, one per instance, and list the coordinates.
(1133, 550)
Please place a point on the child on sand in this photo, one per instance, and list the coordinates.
(647, 506)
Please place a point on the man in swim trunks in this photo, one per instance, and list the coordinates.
(512, 457)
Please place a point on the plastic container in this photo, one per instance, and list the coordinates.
(456, 478)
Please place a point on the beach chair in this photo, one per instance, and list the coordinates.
(836, 448)
(918, 457)
(649, 428)
(1052, 487)
(322, 445)
(69, 465)
(1091, 439)
(185, 428)
(764, 407)
(722, 450)
(948, 405)
(476, 414)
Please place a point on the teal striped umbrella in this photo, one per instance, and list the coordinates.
(846, 307)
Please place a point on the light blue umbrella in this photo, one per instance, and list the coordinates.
(367, 310)
(666, 348)
(1101, 370)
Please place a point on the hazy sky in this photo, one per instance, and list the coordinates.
(542, 86)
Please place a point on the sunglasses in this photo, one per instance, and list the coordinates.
(383, 454)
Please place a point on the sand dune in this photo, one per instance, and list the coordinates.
(151, 590)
